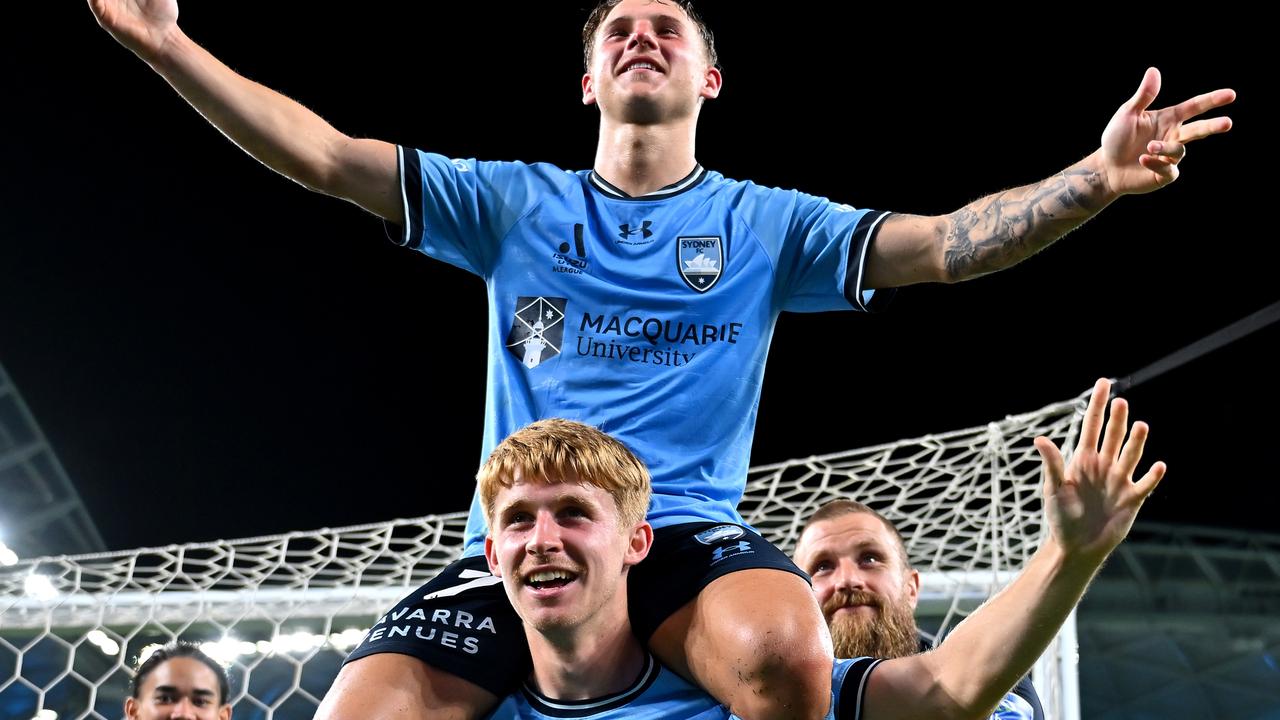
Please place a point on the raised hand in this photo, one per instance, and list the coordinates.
(1092, 502)
(143, 26)
(1141, 148)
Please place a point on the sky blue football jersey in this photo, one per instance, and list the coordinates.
(658, 694)
(648, 317)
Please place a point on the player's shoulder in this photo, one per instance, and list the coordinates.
(496, 170)
(751, 197)
(534, 171)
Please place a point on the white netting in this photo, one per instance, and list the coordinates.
(283, 610)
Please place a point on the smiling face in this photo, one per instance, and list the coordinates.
(866, 591)
(649, 64)
(563, 552)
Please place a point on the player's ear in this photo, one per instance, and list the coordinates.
(913, 587)
(491, 555)
(639, 543)
(588, 90)
(711, 82)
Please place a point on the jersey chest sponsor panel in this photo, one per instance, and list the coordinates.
(624, 340)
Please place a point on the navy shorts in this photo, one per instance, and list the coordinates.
(688, 557)
(462, 623)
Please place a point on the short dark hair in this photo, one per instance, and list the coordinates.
(177, 649)
(603, 8)
(842, 506)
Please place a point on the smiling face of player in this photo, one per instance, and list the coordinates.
(563, 553)
(866, 591)
(649, 65)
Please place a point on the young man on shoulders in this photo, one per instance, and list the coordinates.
(628, 296)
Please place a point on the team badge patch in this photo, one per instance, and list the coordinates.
(700, 260)
(537, 331)
(719, 533)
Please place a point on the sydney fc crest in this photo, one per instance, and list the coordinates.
(537, 331)
(700, 260)
(719, 533)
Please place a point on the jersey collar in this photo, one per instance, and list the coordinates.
(584, 708)
(691, 180)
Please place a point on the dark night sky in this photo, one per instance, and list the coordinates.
(215, 352)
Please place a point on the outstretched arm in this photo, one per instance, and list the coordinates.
(1090, 505)
(1140, 152)
(282, 134)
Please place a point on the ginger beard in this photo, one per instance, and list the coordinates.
(887, 632)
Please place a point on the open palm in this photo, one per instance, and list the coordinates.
(1091, 503)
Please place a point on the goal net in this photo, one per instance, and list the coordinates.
(281, 612)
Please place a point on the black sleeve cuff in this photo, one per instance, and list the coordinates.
(852, 693)
(410, 170)
(864, 233)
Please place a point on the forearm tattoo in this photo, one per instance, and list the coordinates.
(1008, 227)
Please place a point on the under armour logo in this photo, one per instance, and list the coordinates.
(741, 547)
(643, 230)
